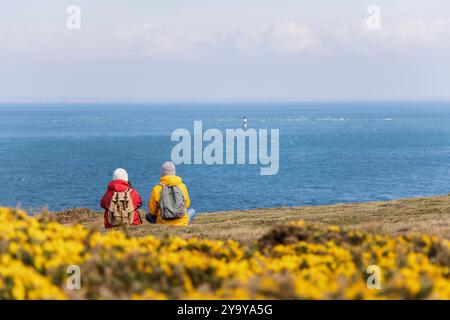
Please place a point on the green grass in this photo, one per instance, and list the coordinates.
(422, 215)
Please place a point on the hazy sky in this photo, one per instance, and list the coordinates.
(229, 49)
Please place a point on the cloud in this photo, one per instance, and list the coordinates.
(287, 38)
(419, 31)
(281, 38)
(156, 41)
(394, 37)
(177, 41)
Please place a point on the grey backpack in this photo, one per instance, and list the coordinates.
(172, 202)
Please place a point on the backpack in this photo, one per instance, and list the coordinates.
(121, 209)
(172, 202)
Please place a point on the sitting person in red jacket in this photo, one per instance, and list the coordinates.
(121, 202)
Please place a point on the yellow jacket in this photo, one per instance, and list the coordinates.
(153, 204)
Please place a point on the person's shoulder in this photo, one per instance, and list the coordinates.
(133, 190)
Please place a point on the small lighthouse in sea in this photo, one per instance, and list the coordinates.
(244, 122)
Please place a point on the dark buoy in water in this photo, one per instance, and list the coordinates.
(244, 122)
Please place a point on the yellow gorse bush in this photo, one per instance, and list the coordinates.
(296, 261)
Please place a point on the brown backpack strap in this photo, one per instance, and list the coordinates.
(128, 192)
(117, 196)
(125, 200)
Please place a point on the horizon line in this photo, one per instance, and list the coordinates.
(81, 100)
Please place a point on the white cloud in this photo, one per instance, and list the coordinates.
(418, 31)
(249, 40)
(287, 38)
(177, 41)
(396, 37)
(280, 38)
(154, 41)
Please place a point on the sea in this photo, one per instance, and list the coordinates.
(62, 155)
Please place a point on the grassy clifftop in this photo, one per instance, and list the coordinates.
(318, 255)
(422, 215)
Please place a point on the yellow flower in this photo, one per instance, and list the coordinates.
(34, 257)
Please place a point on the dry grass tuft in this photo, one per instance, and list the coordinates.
(421, 215)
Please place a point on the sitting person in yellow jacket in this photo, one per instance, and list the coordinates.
(169, 179)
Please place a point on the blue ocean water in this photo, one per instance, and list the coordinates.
(62, 155)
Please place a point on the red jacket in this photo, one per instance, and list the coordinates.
(120, 186)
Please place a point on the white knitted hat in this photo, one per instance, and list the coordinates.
(120, 174)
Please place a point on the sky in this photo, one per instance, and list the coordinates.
(197, 50)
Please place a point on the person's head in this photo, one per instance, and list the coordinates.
(120, 174)
(168, 169)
